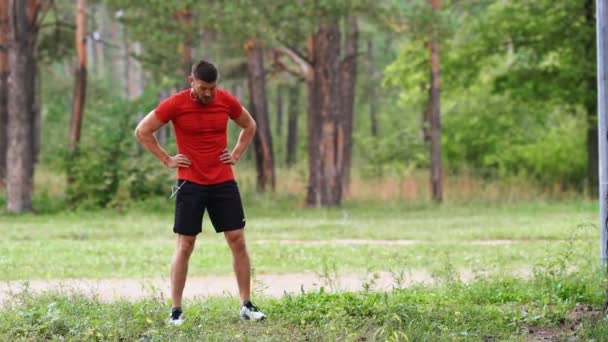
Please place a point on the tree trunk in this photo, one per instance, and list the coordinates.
(116, 55)
(126, 63)
(348, 87)
(325, 184)
(279, 128)
(36, 118)
(427, 112)
(80, 76)
(138, 81)
(185, 17)
(435, 111)
(591, 106)
(98, 47)
(3, 88)
(22, 36)
(371, 91)
(259, 110)
(292, 125)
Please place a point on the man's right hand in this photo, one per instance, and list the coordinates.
(178, 160)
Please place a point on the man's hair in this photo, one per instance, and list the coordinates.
(204, 71)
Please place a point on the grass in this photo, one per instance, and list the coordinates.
(554, 241)
(497, 308)
(139, 242)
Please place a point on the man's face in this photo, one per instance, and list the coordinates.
(202, 91)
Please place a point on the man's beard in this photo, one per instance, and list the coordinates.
(202, 99)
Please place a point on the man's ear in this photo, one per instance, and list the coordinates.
(190, 79)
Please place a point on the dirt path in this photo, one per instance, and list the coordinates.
(384, 242)
(204, 286)
(267, 285)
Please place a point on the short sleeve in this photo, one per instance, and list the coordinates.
(166, 109)
(234, 106)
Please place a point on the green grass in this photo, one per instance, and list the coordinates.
(139, 241)
(556, 242)
(497, 308)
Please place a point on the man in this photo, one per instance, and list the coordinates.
(205, 179)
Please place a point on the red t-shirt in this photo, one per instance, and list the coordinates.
(200, 133)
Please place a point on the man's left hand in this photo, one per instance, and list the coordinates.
(227, 158)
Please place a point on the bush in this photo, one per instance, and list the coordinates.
(110, 159)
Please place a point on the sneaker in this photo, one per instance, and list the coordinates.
(177, 316)
(251, 312)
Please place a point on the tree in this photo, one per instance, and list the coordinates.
(547, 59)
(80, 76)
(3, 87)
(264, 154)
(292, 125)
(324, 124)
(348, 84)
(330, 82)
(22, 37)
(435, 112)
(185, 17)
(371, 91)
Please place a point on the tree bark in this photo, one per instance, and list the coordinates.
(280, 112)
(371, 91)
(99, 15)
(3, 88)
(138, 79)
(126, 63)
(259, 110)
(435, 112)
(80, 76)
(292, 125)
(348, 87)
(23, 31)
(591, 107)
(185, 17)
(325, 154)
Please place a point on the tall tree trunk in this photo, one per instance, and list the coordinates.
(371, 91)
(80, 75)
(591, 106)
(116, 55)
(185, 17)
(292, 125)
(138, 81)
(435, 111)
(3, 88)
(264, 156)
(99, 16)
(280, 110)
(325, 184)
(36, 118)
(427, 111)
(347, 96)
(126, 62)
(23, 31)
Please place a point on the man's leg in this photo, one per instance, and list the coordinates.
(240, 261)
(179, 266)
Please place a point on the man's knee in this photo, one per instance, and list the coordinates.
(185, 244)
(236, 239)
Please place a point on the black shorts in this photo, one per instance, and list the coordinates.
(222, 201)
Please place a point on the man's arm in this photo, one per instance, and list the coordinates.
(248, 125)
(144, 132)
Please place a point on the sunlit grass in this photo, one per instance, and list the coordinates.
(281, 236)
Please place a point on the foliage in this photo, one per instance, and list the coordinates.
(508, 105)
(109, 158)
